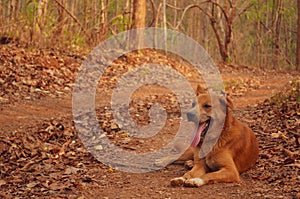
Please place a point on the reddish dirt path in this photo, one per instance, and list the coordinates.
(24, 114)
(264, 85)
(248, 87)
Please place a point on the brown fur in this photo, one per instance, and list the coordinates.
(235, 151)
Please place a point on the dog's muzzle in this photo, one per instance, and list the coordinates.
(201, 127)
(191, 116)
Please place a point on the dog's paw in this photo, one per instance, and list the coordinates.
(189, 164)
(176, 182)
(194, 182)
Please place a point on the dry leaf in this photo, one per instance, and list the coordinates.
(2, 182)
(279, 135)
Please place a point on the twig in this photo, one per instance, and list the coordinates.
(71, 15)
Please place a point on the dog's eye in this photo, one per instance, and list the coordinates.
(206, 106)
(193, 104)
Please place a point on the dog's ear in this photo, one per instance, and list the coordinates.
(199, 90)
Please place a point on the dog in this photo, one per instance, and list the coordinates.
(235, 150)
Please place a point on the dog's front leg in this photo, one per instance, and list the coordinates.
(227, 173)
(197, 171)
(223, 175)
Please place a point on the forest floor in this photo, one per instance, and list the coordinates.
(42, 156)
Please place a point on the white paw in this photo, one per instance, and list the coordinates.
(178, 181)
(194, 182)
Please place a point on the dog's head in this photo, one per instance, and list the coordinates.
(202, 113)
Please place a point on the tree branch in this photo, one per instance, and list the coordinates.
(71, 15)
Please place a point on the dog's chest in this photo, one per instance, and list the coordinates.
(211, 163)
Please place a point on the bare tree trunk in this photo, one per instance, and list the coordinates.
(224, 35)
(34, 30)
(41, 18)
(61, 18)
(117, 8)
(165, 25)
(175, 14)
(277, 23)
(218, 16)
(139, 18)
(205, 29)
(129, 9)
(298, 38)
(222, 39)
(70, 6)
(139, 13)
(13, 9)
(103, 20)
(258, 36)
(2, 9)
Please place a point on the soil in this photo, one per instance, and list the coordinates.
(41, 155)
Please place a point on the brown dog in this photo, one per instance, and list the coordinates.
(235, 151)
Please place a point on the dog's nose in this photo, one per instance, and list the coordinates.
(191, 116)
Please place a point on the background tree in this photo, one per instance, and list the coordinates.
(298, 38)
(139, 13)
(249, 32)
(139, 18)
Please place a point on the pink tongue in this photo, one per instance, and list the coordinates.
(197, 135)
